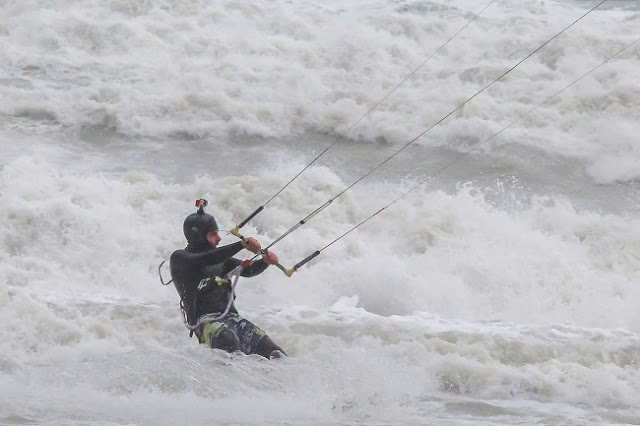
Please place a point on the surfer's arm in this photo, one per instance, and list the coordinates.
(213, 256)
(257, 267)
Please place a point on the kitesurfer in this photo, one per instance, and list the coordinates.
(202, 274)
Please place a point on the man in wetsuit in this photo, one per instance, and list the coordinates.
(199, 274)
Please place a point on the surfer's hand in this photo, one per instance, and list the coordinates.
(251, 244)
(270, 257)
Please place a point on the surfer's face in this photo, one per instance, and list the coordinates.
(213, 238)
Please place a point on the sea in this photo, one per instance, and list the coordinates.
(468, 170)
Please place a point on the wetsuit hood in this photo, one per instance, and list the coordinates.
(195, 228)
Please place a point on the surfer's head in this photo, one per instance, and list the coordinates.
(200, 228)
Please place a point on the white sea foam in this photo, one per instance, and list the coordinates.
(503, 290)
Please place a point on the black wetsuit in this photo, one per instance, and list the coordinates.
(193, 271)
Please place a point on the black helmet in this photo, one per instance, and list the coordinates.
(197, 225)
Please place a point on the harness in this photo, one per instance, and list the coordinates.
(231, 277)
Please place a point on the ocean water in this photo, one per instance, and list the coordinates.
(504, 290)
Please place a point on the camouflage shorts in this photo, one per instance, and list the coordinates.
(248, 334)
